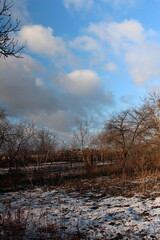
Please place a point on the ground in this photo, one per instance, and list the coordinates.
(102, 208)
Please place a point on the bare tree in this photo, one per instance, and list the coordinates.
(130, 128)
(16, 142)
(100, 144)
(82, 139)
(82, 133)
(45, 144)
(152, 104)
(117, 129)
(8, 44)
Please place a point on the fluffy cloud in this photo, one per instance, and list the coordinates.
(144, 62)
(85, 43)
(119, 34)
(94, 51)
(78, 4)
(41, 40)
(135, 45)
(80, 82)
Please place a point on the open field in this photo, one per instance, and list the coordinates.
(98, 208)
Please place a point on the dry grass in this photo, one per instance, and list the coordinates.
(111, 179)
(15, 225)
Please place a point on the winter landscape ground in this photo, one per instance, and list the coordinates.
(97, 208)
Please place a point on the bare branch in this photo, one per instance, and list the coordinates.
(8, 45)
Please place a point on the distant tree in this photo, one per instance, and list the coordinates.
(8, 44)
(99, 142)
(82, 133)
(152, 104)
(4, 127)
(45, 144)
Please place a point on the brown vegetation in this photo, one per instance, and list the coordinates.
(127, 147)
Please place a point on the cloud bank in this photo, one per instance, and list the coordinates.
(53, 102)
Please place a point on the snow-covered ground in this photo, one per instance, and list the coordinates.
(115, 217)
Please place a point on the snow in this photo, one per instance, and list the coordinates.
(132, 217)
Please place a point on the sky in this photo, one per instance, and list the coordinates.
(83, 58)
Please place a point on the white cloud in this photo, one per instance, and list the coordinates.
(144, 62)
(41, 40)
(78, 4)
(85, 43)
(80, 82)
(135, 45)
(119, 34)
(125, 33)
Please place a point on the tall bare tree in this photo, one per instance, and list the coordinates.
(8, 44)
(82, 133)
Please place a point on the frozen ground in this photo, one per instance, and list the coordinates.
(115, 217)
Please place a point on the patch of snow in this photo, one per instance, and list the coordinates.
(129, 217)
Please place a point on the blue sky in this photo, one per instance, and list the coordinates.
(84, 58)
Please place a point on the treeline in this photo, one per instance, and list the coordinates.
(21, 144)
(130, 139)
